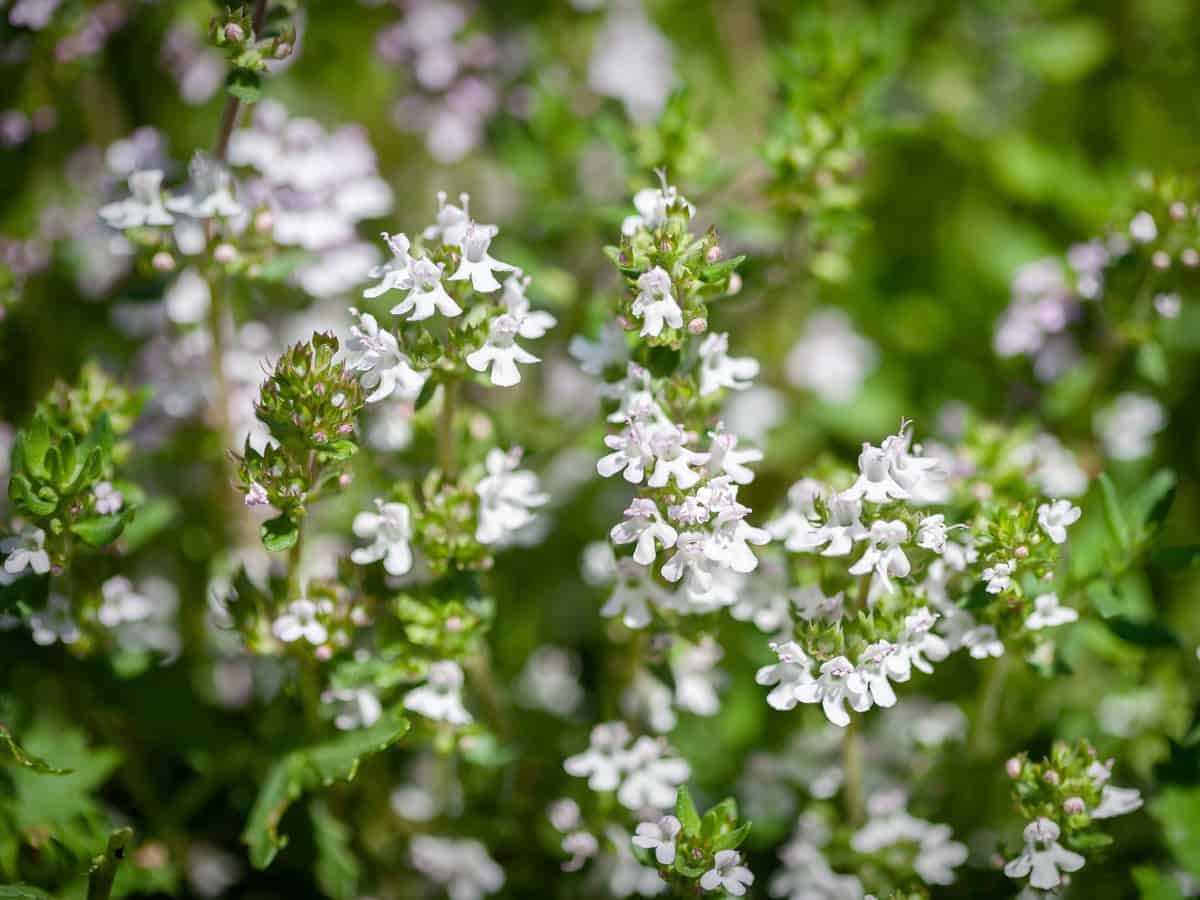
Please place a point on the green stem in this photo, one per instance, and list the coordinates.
(229, 115)
(852, 767)
(479, 666)
(991, 690)
(446, 448)
(104, 867)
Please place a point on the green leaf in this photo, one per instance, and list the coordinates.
(1176, 557)
(10, 751)
(99, 531)
(1154, 500)
(306, 770)
(279, 534)
(1153, 885)
(149, 520)
(337, 869)
(1113, 514)
(1152, 363)
(685, 812)
(719, 271)
(23, 892)
(731, 840)
(1177, 810)
(426, 394)
(1143, 634)
(245, 85)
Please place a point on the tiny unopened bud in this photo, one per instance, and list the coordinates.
(1013, 767)
(1190, 257)
(234, 33)
(320, 437)
(283, 50)
(225, 253)
(623, 258)
(698, 325)
(1021, 552)
(1178, 209)
(319, 388)
(735, 284)
(997, 861)
(345, 428)
(713, 254)
(323, 652)
(344, 479)
(264, 221)
(454, 624)
(1072, 806)
(1161, 259)
(163, 261)
(1051, 777)
(664, 245)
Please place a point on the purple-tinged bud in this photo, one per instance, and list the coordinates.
(454, 624)
(283, 51)
(324, 652)
(1073, 806)
(1051, 777)
(163, 261)
(1178, 210)
(344, 479)
(1021, 552)
(264, 221)
(623, 258)
(1013, 767)
(713, 254)
(735, 284)
(698, 325)
(1161, 259)
(234, 33)
(319, 388)
(345, 428)
(664, 245)
(1190, 257)
(320, 437)
(225, 253)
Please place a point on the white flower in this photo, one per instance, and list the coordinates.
(507, 497)
(632, 594)
(690, 559)
(831, 359)
(875, 482)
(452, 221)
(1142, 228)
(999, 576)
(440, 697)
(660, 837)
(122, 604)
(477, 265)
(654, 304)
(726, 458)
(832, 689)
(256, 495)
(462, 867)
(1127, 425)
(719, 370)
(879, 662)
(697, 677)
(550, 681)
(390, 530)
(652, 775)
(603, 761)
(26, 551)
(55, 623)
(300, 621)
(931, 533)
(608, 348)
(631, 453)
(356, 708)
(143, 207)
(1043, 857)
(582, 846)
(644, 524)
(918, 640)
(534, 324)
(1115, 801)
(1168, 305)
(731, 537)
(672, 459)
(884, 555)
(396, 273)
(653, 204)
(426, 294)
(501, 352)
(843, 528)
(211, 192)
(982, 642)
(1047, 613)
(376, 353)
(789, 675)
(1055, 517)
(727, 872)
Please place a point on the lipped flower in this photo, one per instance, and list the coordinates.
(832, 689)
(426, 294)
(653, 204)
(632, 594)
(673, 460)
(645, 525)
(789, 675)
(440, 697)
(1043, 859)
(26, 551)
(300, 620)
(1056, 516)
(878, 663)
(143, 207)
(210, 194)
(731, 539)
(727, 873)
(655, 305)
(501, 352)
(533, 323)
(720, 370)
(885, 555)
(1048, 613)
(376, 353)
(451, 223)
(507, 497)
(875, 481)
(1117, 801)
(999, 576)
(652, 775)
(477, 265)
(660, 837)
(107, 499)
(604, 760)
(631, 453)
(726, 458)
(396, 273)
(390, 530)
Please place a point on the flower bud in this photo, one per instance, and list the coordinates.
(1190, 257)
(1021, 552)
(283, 50)
(323, 652)
(1073, 806)
(163, 261)
(454, 624)
(713, 254)
(735, 284)
(234, 33)
(225, 253)
(698, 325)
(1051, 777)
(344, 479)
(1013, 767)
(1178, 209)
(264, 221)
(1161, 259)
